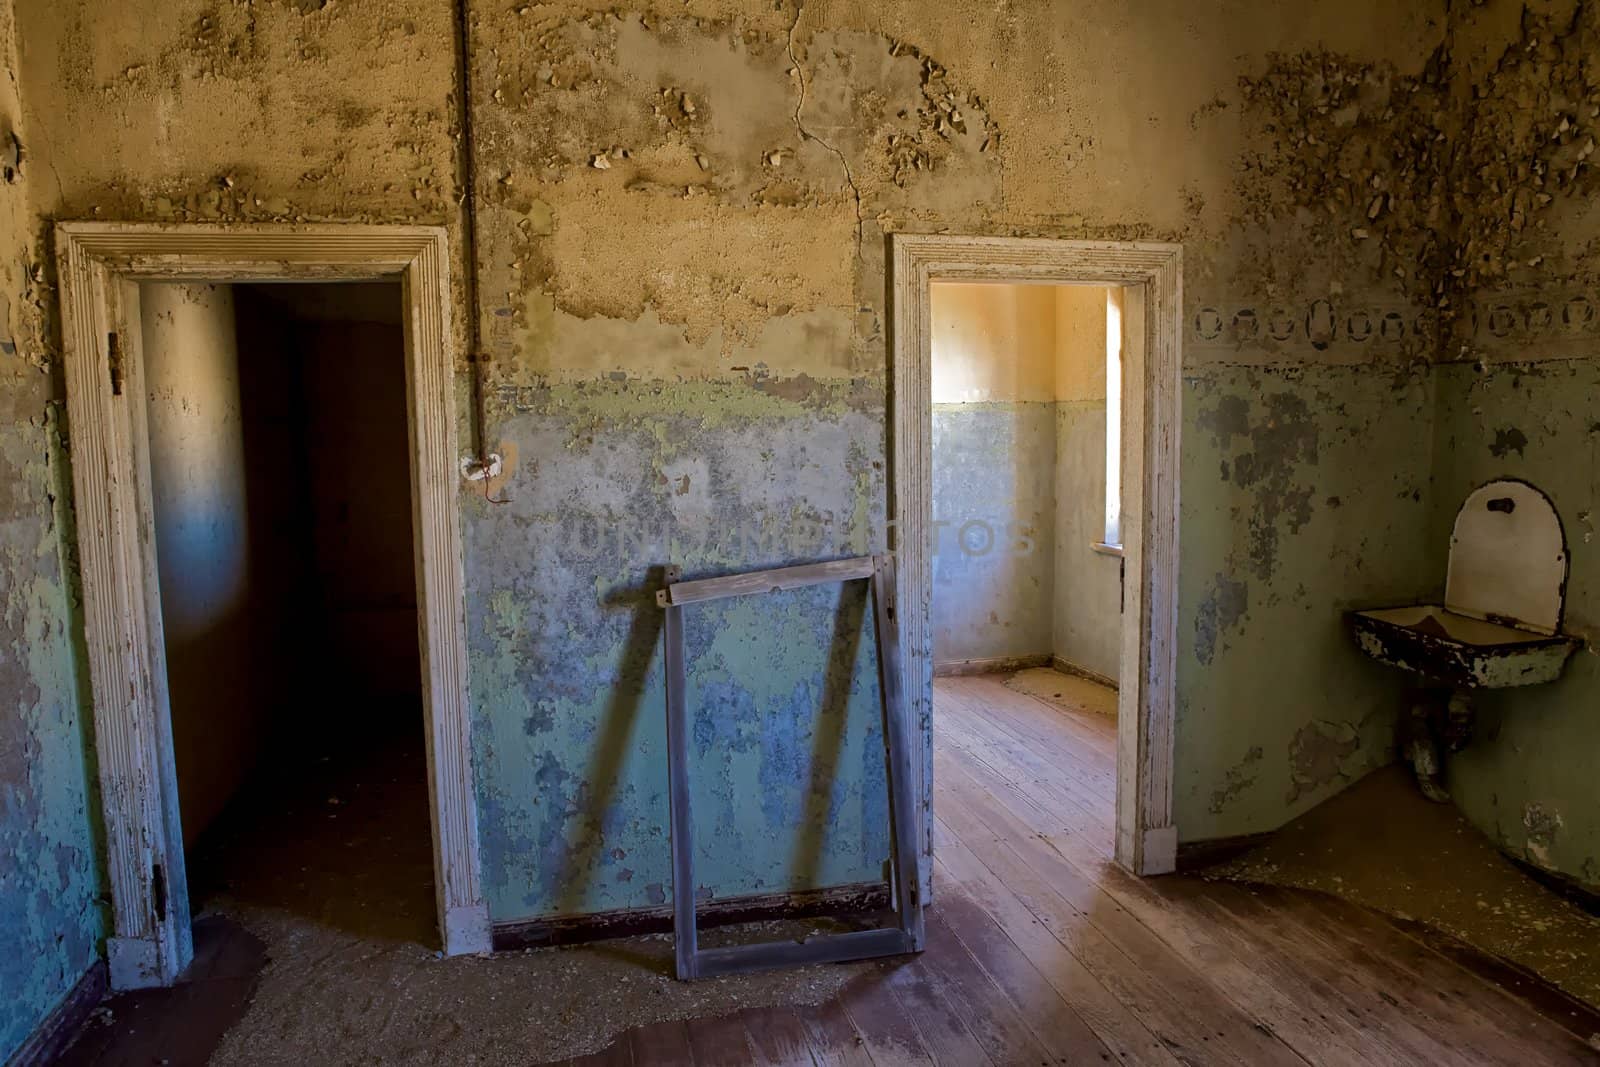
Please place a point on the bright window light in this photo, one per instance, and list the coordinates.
(1113, 417)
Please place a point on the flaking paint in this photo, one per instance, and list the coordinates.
(51, 921)
(50, 916)
(566, 649)
(1534, 746)
(692, 343)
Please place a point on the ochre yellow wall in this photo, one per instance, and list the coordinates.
(993, 342)
(1080, 342)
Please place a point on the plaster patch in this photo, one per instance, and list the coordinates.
(1238, 779)
(1541, 824)
(1506, 441)
(1222, 609)
(1318, 756)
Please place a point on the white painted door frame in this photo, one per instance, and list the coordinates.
(100, 265)
(1146, 838)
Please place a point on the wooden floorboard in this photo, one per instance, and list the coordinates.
(948, 1039)
(665, 1043)
(1053, 1018)
(1073, 799)
(887, 1030)
(777, 1038)
(719, 1042)
(1107, 1006)
(1193, 1016)
(1448, 985)
(999, 1028)
(1041, 951)
(834, 1038)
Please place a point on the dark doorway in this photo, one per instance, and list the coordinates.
(281, 476)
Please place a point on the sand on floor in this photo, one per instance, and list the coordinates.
(1382, 845)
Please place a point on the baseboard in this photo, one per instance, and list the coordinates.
(1193, 855)
(1564, 886)
(858, 899)
(1058, 664)
(959, 668)
(52, 1036)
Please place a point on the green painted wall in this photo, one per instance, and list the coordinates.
(1528, 779)
(1088, 588)
(994, 504)
(50, 880)
(1517, 392)
(1320, 506)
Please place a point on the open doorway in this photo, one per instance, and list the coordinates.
(1149, 278)
(281, 500)
(1027, 554)
(104, 272)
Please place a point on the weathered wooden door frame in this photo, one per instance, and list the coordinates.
(100, 266)
(1146, 839)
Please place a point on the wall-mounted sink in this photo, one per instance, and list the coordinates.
(1459, 650)
(1499, 625)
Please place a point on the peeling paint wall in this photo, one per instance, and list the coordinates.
(1528, 778)
(1517, 390)
(1321, 477)
(565, 643)
(682, 210)
(50, 918)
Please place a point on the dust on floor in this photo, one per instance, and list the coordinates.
(1382, 845)
(316, 892)
(1065, 690)
(327, 996)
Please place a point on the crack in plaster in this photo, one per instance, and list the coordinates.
(807, 135)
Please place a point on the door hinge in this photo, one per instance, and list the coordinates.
(1122, 583)
(114, 360)
(158, 891)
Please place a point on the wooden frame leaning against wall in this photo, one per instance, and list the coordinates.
(906, 935)
(1152, 277)
(101, 265)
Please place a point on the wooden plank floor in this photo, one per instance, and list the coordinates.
(1041, 951)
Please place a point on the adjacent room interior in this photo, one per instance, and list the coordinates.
(1027, 566)
(281, 487)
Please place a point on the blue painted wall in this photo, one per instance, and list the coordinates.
(564, 631)
(50, 882)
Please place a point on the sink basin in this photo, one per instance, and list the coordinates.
(1460, 650)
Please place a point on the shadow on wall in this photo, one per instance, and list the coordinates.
(828, 742)
(617, 727)
(620, 723)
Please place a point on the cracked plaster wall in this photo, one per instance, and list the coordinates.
(1517, 387)
(50, 918)
(681, 214)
